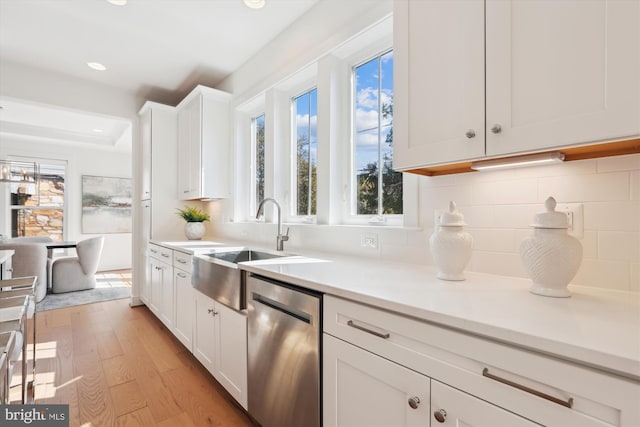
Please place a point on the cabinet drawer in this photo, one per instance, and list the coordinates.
(160, 252)
(536, 385)
(182, 261)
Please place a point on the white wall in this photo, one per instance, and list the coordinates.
(80, 161)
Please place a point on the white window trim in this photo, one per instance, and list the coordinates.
(244, 183)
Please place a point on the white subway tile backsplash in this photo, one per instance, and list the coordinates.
(493, 240)
(586, 188)
(634, 190)
(516, 216)
(634, 269)
(439, 197)
(628, 162)
(612, 216)
(619, 245)
(589, 243)
(505, 192)
(479, 216)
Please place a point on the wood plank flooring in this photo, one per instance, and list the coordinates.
(119, 366)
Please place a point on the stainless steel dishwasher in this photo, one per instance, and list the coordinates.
(284, 326)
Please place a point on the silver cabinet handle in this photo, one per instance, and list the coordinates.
(414, 402)
(470, 133)
(165, 255)
(568, 403)
(212, 312)
(440, 415)
(153, 251)
(184, 276)
(369, 331)
(496, 128)
(181, 261)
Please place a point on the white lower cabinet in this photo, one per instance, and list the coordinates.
(161, 278)
(184, 300)
(361, 389)
(453, 407)
(377, 364)
(203, 343)
(220, 344)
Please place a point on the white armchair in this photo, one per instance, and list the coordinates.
(77, 273)
(30, 259)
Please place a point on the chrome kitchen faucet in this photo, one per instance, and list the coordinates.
(280, 238)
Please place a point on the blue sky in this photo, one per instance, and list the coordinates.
(366, 103)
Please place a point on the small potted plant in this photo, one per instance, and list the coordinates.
(194, 228)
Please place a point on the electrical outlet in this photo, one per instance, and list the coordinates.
(575, 217)
(369, 241)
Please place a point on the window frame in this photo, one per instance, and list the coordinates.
(292, 215)
(350, 215)
(40, 206)
(253, 203)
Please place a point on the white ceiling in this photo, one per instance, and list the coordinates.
(150, 47)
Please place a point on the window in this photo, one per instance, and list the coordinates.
(38, 209)
(377, 187)
(306, 161)
(257, 130)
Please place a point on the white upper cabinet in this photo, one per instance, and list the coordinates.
(561, 73)
(532, 75)
(438, 81)
(203, 144)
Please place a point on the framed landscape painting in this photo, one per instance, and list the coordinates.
(106, 204)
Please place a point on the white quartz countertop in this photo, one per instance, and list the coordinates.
(597, 327)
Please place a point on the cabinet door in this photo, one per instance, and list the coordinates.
(203, 337)
(362, 389)
(561, 73)
(189, 149)
(184, 308)
(145, 154)
(455, 408)
(438, 81)
(166, 300)
(231, 355)
(155, 276)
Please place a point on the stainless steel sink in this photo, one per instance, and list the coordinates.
(243, 255)
(217, 275)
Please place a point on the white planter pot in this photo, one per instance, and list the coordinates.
(194, 230)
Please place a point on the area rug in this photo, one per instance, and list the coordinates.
(69, 299)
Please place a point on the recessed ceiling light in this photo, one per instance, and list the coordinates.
(96, 66)
(118, 2)
(255, 4)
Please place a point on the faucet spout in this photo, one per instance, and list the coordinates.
(280, 238)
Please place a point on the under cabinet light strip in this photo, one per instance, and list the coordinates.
(519, 161)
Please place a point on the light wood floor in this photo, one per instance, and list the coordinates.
(119, 366)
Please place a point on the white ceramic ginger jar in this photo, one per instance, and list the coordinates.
(551, 256)
(451, 245)
(194, 230)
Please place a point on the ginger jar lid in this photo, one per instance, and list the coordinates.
(550, 218)
(452, 218)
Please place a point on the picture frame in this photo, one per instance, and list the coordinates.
(106, 204)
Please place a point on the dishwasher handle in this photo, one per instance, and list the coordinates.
(283, 308)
